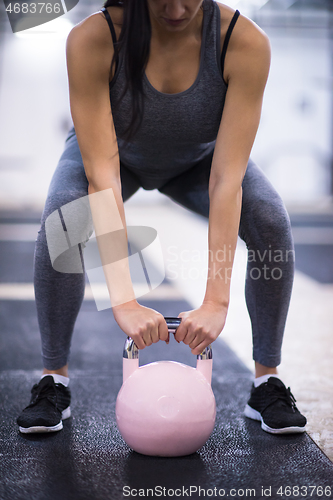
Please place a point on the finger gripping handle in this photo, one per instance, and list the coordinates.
(130, 349)
(172, 323)
(132, 352)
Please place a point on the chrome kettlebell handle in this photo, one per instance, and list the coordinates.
(132, 352)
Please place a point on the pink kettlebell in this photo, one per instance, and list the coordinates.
(165, 408)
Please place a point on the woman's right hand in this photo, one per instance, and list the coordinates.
(144, 325)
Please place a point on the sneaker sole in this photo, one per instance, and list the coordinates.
(41, 428)
(255, 415)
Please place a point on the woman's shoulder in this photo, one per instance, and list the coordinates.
(116, 14)
(246, 33)
(248, 48)
(89, 44)
(94, 28)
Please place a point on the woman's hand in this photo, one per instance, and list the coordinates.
(200, 327)
(144, 325)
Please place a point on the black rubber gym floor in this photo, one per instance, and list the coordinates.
(88, 460)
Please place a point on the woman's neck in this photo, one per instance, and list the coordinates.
(170, 37)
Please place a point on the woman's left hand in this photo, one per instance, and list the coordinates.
(200, 327)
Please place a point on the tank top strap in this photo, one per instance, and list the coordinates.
(227, 37)
(110, 23)
(113, 32)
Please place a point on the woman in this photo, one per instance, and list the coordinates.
(186, 86)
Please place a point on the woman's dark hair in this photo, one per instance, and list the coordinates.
(135, 35)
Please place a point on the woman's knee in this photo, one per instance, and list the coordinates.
(264, 216)
(270, 217)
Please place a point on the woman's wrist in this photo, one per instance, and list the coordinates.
(217, 304)
(131, 304)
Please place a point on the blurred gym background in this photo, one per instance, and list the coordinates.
(294, 147)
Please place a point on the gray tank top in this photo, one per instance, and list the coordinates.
(177, 130)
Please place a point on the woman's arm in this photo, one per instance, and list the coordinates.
(246, 71)
(89, 52)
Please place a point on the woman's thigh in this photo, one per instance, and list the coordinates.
(66, 219)
(264, 218)
(70, 179)
(262, 208)
(190, 189)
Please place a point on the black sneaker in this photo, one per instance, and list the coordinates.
(274, 405)
(49, 406)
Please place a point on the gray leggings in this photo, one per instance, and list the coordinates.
(264, 227)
